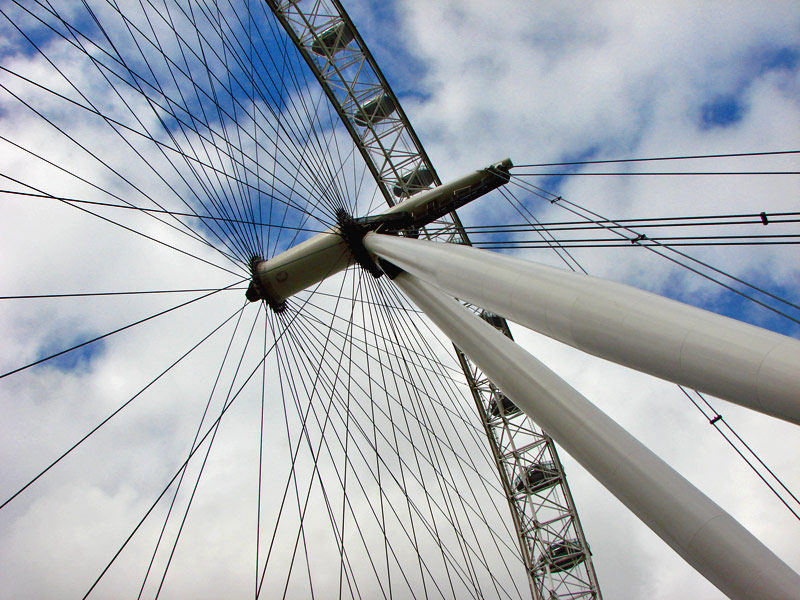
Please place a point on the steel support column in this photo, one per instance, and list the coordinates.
(729, 359)
(694, 526)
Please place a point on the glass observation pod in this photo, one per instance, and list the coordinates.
(331, 40)
(561, 556)
(413, 181)
(492, 319)
(501, 402)
(374, 110)
(537, 477)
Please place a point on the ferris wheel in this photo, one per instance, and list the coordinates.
(295, 424)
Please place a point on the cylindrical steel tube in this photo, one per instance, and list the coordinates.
(701, 532)
(729, 359)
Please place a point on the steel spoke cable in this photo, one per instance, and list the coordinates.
(295, 454)
(435, 449)
(431, 526)
(401, 482)
(158, 210)
(561, 510)
(260, 455)
(371, 395)
(125, 227)
(124, 405)
(118, 124)
(251, 250)
(138, 78)
(128, 204)
(436, 464)
(421, 336)
(209, 446)
(378, 141)
(191, 447)
(364, 300)
(413, 325)
(660, 158)
(332, 389)
(338, 530)
(486, 484)
(225, 47)
(398, 401)
(207, 189)
(183, 465)
(561, 202)
(281, 361)
(716, 417)
(47, 195)
(241, 183)
(74, 140)
(293, 78)
(244, 192)
(317, 323)
(117, 330)
(452, 377)
(138, 88)
(128, 293)
(145, 37)
(83, 147)
(282, 127)
(348, 394)
(303, 507)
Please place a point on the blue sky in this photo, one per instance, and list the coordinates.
(550, 82)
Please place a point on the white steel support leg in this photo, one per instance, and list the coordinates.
(729, 359)
(700, 531)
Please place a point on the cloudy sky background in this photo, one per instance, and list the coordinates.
(538, 83)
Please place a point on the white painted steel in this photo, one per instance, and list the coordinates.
(302, 266)
(732, 360)
(430, 201)
(695, 527)
(306, 264)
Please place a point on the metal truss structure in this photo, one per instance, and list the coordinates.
(553, 548)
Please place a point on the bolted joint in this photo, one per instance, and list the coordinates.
(256, 291)
(353, 232)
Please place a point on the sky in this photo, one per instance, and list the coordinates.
(550, 82)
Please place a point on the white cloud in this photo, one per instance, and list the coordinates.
(536, 82)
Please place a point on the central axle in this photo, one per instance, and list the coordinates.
(314, 260)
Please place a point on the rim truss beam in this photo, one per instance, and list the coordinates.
(339, 58)
(701, 532)
(535, 485)
(337, 55)
(368, 108)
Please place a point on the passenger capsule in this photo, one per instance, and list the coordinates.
(537, 477)
(331, 40)
(561, 556)
(374, 111)
(505, 404)
(492, 319)
(413, 181)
